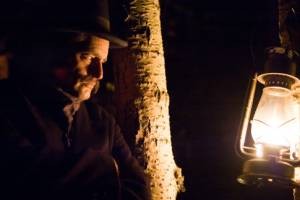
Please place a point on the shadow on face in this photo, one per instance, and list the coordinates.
(71, 61)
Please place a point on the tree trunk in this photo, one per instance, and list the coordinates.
(143, 100)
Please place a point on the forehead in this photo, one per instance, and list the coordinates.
(90, 44)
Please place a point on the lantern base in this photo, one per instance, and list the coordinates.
(262, 172)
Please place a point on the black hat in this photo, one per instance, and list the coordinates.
(85, 16)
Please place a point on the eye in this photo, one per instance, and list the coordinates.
(86, 56)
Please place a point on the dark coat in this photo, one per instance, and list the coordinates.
(38, 163)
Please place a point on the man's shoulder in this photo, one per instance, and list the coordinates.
(101, 118)
(97, 110)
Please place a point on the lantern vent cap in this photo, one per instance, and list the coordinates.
(277, 80)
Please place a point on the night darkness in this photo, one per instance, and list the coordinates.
(211, 50)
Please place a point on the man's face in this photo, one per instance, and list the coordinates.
(83, 69)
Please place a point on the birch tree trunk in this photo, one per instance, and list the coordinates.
(143, 100)
(289, 39)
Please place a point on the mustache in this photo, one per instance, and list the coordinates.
(88, 79)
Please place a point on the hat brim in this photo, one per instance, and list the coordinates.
(115, 42)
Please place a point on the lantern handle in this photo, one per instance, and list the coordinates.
(241, 136)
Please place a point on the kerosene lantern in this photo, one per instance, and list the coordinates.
(270, 131)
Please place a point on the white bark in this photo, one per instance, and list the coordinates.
(150, 98)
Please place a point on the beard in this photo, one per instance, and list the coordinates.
(86, 87)
(79, 86)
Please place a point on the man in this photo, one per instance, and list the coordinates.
(56, 143)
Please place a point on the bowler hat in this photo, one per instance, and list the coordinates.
(84, 16)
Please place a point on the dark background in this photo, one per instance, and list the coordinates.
(211, 49)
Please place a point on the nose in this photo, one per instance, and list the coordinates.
(95, 69)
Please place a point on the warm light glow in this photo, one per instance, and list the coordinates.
(275, 121)
(297, 174)
(259, 150)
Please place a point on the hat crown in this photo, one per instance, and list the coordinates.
(85, 16)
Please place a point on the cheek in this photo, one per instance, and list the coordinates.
(81, 65)
(81, 69)
(61, 74)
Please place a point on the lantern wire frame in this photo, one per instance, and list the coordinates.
(277, 170)
(246, 151)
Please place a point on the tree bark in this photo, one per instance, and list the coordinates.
(143, 100)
